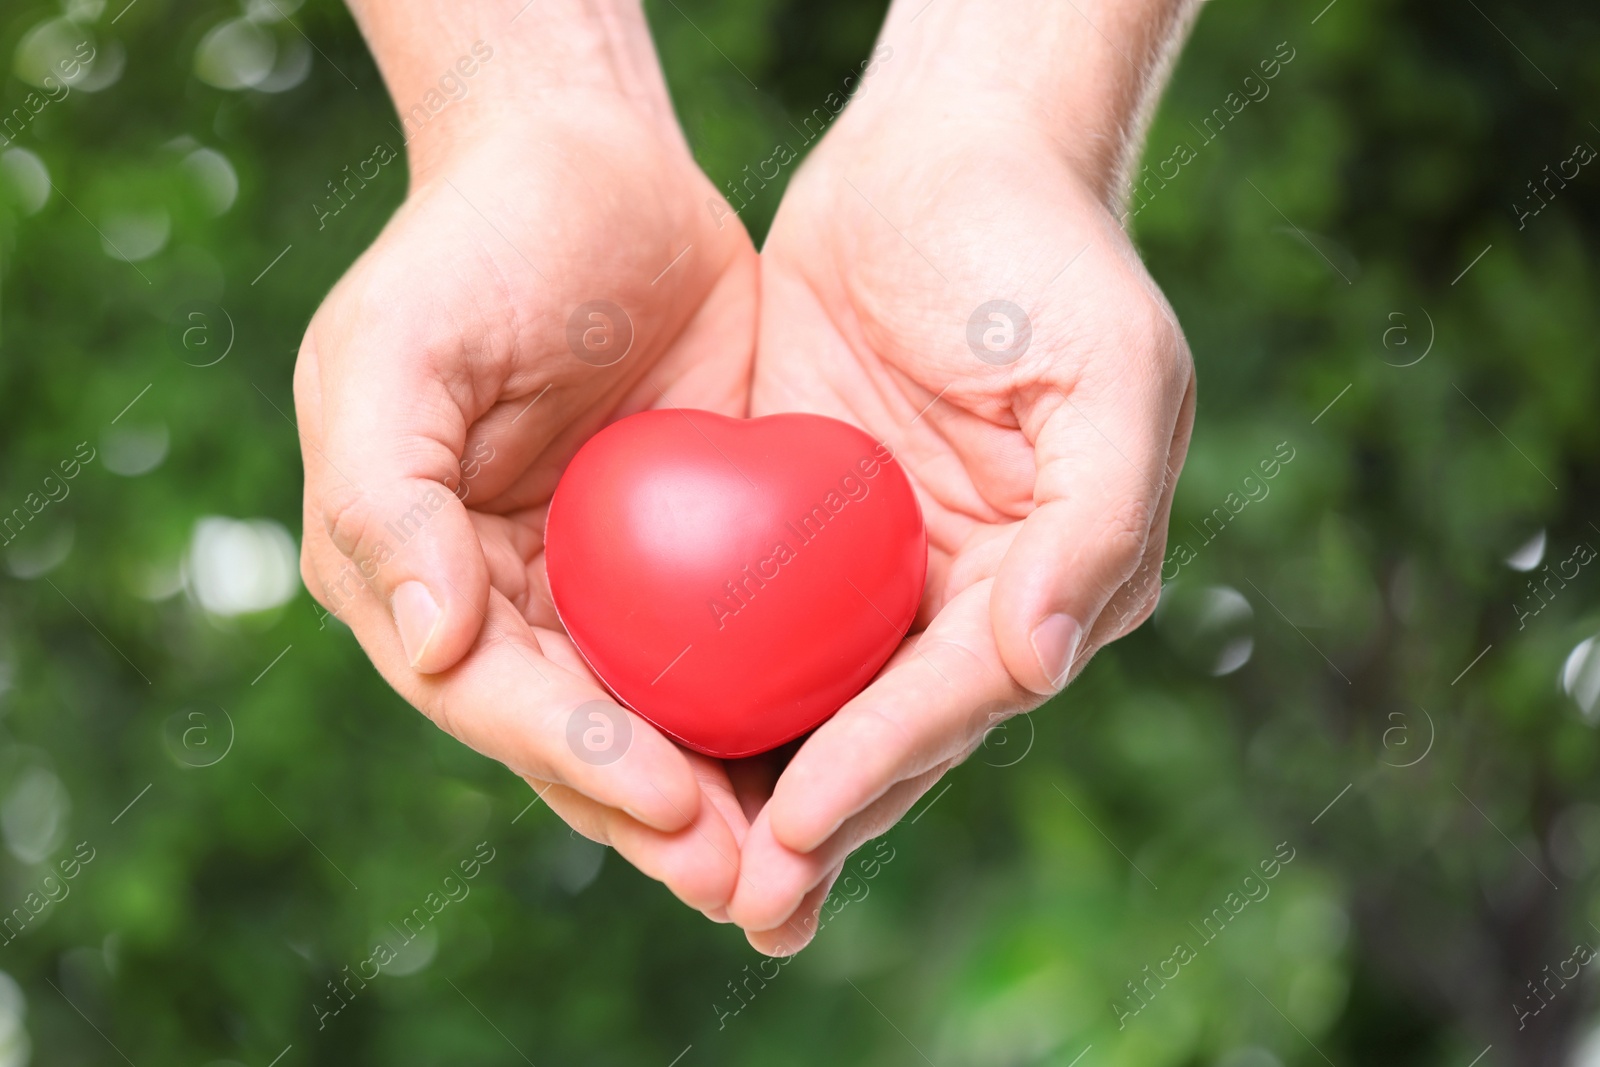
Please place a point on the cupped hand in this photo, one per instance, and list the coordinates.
(547, 274)
(941, 275)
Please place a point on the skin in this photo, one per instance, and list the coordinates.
(1046, 483)
(980, 162)
(429, 353)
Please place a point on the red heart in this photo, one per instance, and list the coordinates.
(735, 581)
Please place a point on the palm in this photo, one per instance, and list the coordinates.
(444, 358)
(473, 286)
(871, 276)
(659, 315)
(887, 245)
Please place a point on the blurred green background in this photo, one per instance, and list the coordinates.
(1381, 661)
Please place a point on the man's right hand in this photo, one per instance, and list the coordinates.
(553, 268)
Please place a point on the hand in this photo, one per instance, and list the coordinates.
(441, 391)
(1045, 473)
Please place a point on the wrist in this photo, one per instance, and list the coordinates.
(1084, 75)
(462, 73)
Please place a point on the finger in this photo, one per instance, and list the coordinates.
(920, 712)
(1137, 599)
(801, 927)
(774, 880)
(717, 787)
(509, 701)
(698, 863)
(382, 461)
(508, 544)
(511, 704)
(1101, 457)
(712, 775)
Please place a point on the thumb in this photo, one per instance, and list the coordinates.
(382, 459)
(1101, 485)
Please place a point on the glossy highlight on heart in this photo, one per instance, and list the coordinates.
(735, 581)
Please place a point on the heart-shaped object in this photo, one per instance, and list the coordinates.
(735, 581)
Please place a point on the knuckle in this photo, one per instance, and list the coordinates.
(957, 662)
(1154, 334)
(584, 819)
(880, 733)
(331, 580)
(1135, 601)
(1148, 577)
(348, 517)
(1143, 596)
(442, 712)
(1125, 530)
(1148, 323)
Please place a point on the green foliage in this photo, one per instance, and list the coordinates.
(1327, 223)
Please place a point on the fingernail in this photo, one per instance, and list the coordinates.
(1055, 643)
(417, 616)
